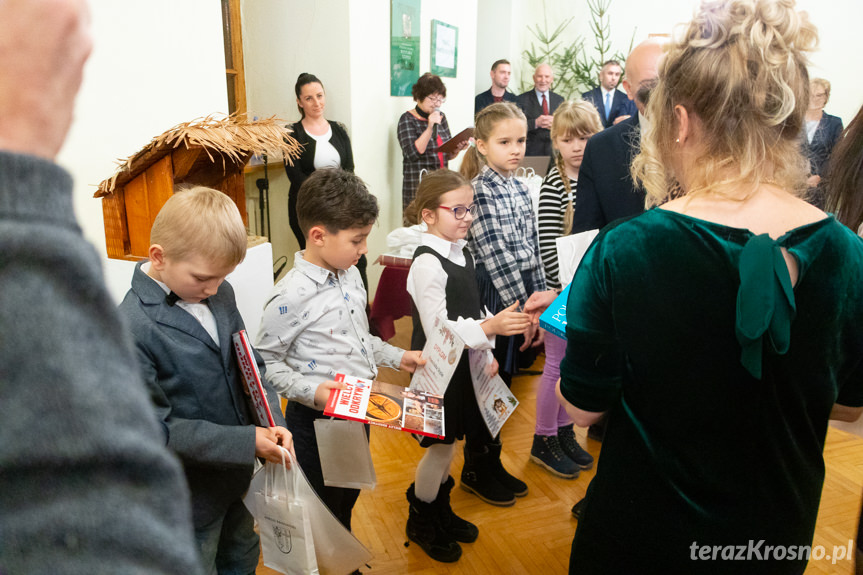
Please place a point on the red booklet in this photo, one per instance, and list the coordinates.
(387, 405)
(252, 379)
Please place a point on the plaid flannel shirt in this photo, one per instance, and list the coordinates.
(409, 129)
(503, 236)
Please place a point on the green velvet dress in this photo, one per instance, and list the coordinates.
(719, 378)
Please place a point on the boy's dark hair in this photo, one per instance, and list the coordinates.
(336, 199)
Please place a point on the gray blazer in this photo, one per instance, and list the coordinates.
(197, 391)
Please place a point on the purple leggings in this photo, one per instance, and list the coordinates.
(549, 413)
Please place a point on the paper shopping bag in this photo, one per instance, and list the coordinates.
(286, 532)
(345, 457)
(337, 551)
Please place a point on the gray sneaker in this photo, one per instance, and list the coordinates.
(546, 452)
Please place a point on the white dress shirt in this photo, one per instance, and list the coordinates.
(199, 311)
(426, 285)
(315, 326)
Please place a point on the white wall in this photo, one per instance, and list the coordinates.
(346, 45)
(154, 64)
(376, 113)
(281, 40)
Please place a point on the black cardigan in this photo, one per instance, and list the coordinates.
(305, 165)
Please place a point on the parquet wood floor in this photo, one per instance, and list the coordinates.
(534, 536)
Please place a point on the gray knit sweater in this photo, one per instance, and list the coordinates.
(87, 485)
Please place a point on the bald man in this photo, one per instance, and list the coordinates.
(538, 106)
(605, 188)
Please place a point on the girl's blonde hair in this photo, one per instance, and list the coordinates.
(203, 222)
(740, 68)
(572, 119)
(432, 186)
(484, 124)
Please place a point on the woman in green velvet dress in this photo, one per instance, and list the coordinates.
(723, 328)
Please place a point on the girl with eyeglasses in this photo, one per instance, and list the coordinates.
(442, 282)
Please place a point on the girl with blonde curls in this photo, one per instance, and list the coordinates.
(722, 329)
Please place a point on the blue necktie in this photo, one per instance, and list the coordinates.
(607, 106)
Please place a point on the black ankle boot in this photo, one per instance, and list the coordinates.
(425, 530)
(514, 484)
(460, 529)
(477, 477)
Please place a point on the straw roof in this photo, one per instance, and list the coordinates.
(230, 139)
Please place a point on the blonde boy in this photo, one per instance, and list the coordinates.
(182, 314)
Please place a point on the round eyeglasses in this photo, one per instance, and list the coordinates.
(461, 211)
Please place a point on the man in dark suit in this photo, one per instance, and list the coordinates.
(613, 105)
(500, 72)
(605, 188)
(538, 106)
(606, 191)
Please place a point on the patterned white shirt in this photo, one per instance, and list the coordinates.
(315, 326)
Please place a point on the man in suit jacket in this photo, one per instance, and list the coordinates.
(613, 105)
(500, 73)
(606, 191)
(538, 106)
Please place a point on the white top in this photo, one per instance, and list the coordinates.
(326, 155)
(426, 285)
(199, 311)
(811, 128)
(315, 326)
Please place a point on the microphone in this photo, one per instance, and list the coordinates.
(434, 126)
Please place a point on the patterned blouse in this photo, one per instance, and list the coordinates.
(410, 128)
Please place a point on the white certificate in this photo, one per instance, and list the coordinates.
(442, 352)
(496, 402)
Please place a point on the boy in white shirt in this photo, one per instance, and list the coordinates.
(315, 324)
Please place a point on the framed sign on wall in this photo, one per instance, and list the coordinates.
(404, 46)
(444, 49)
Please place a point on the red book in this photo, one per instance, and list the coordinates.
(387, 405)
(252, 379)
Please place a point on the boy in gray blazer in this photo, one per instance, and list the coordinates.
(182, 314)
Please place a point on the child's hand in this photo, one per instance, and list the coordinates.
(411, 360)
(533, 337)
(538, 302)
(322, 393)
(507, 322)
(269, 441)
(492, 368)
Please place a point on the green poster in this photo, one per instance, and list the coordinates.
(404, 46)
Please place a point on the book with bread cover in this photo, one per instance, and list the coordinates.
(387, 405)
(252, 378)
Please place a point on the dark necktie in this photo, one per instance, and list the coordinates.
(544, 105)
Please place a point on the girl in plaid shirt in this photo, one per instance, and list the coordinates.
(504, 242)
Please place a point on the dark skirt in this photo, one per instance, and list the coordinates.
(462, 418)
(506, 351)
